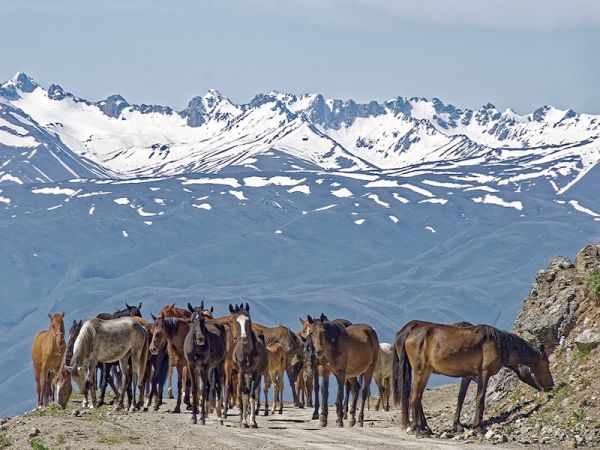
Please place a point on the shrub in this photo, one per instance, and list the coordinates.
(592, 283)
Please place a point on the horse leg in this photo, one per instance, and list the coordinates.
(308, 382)
(177, 409)
(366, 393)
(339, 406)
(388, 392)
(354, 386)
(243, 396)
(187, 386)
(43, 380)
(227, 369)
(347, 389)
(103, 383)
(220, 377)
(315, 415)
(416, 397)
(280, 386)
(324, 400)
(266, 386)
(170, 382)
(482, 383)
(254, 393)
(381, 389)
(292, 381)
(38, 384)
(464, 386)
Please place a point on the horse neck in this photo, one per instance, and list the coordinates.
(522, 354)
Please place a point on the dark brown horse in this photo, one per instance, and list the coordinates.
(204, 349)
(170, 332)
(47, 352)
(347, 352)
(250, 359)
(478, 352)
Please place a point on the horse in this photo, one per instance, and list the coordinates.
(250, 359)
(274, 372)
(478, 352)
(348, 352)
(170, 332)
(383, 376)
(105, 368)
(156, 373)
(121, 340)
(292, 345)
(47, 352)
(314, 374)
(304, 379)
(524, 374)
(204, 349)
(62, 381)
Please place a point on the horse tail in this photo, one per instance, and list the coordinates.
(143, 359)
(402, 373)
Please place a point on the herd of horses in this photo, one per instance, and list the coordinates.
(221, 362)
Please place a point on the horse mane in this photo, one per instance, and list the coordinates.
(506, 341)
(85, 339)
(172, 325)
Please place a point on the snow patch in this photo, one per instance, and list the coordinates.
(494, 200)
(359, 221)
(375, 198)
(205, 206)
(121, 201)
(54, 191)
(238, 194)
(220, 181)
(575, 204)
(342, 193)
(300, 188)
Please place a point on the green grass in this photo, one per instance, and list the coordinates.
(61, 439)
(4, 441)
(592, 283)
(37, 444)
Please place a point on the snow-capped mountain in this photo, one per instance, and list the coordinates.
(212, 134)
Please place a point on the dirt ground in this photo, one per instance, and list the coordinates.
(104, 429)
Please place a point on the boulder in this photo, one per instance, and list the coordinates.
(587, 340)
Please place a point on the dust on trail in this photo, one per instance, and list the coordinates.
(105, 429)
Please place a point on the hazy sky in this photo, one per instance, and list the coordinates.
(518, 53)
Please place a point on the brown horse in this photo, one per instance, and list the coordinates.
(348, 352)
(274, 374)
(250, 359)
(47, 353)
(230, 389)
(478, 352)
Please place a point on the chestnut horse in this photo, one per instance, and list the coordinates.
(477, 351)
(250, 359)
(47, 353)
(348, 352)
(383, 376)
(274, 374)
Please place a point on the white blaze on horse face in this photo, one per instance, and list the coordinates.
(242, 321)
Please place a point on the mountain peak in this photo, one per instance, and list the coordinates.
(20, 82)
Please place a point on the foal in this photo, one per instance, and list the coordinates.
(274, 374)
(47, 352)
(250, 359)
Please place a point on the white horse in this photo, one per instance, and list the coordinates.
(383, 375)
(110, 341)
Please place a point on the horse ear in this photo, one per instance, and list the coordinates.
(49, 316)
(302, 321)
(127, 305)
(202, 305)
(237, 309)
(230, 308)
(74, 322)
(247, 307)
(323, 318)
(212, 308)
(190, 307)
(309, 319)
(153, 317)
(62, 315)
(140, 305)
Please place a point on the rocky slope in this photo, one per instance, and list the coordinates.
(563, 313)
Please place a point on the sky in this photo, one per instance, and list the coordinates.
(512, 53)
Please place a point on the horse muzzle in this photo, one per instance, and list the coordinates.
(153, 350)
(200, 341)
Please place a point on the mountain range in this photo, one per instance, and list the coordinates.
(378, 212)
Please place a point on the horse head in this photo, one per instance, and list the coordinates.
(63, 386)
(198, 326)
(57, 325)
(207, 313)
(541, 370)
(243, 323)
(134, 311)
(318, 334)
(159, 335)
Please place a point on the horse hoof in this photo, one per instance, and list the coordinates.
(155, 408)
(339, 423)
(360, 424)
(253, 425)
(266, 413)
(202, 422)
(188, 407)
(194, 421)
(145, 409)
(244, 425)
(315, 416)
(345, 416)
(322, 423)
(352, 422)
(220, 422)
(177, 410)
